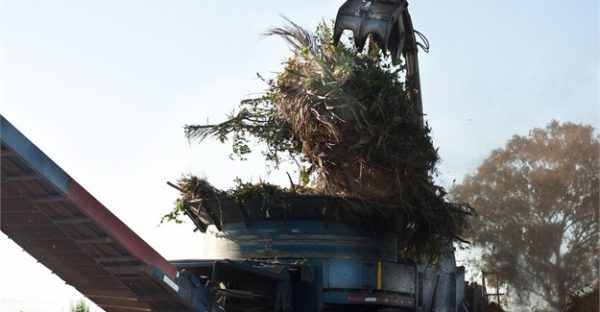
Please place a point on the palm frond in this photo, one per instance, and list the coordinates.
(297, 37)
(199, 132)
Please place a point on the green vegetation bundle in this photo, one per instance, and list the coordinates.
(191, 188)
(351, 117)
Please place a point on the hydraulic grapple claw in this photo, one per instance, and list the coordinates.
(383, 20)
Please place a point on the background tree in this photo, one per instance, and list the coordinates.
(537, 200)
(80, 306)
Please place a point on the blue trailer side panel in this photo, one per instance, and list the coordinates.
(31, 154)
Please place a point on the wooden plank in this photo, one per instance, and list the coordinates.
(116, 259)
(126, 269)
(24, 177)
(94, 240)
(66, 220)
(48, 199)
(5, 153)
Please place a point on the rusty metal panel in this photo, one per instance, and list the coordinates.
(398, 277)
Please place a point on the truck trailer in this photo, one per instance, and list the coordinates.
(304, 258)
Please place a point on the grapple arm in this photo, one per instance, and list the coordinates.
(389, 23)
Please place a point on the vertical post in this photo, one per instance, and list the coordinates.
(413, 79)
(497, 294)
(483, 274)
(497, 290)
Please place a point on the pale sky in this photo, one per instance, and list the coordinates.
(104, 88)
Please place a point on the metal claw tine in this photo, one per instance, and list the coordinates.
(337, 34)
(346, 22)
(360, 42)
(395, 41)
(381, 19)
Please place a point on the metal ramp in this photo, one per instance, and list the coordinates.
(65, 228)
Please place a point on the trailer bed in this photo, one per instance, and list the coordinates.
(59, 223)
